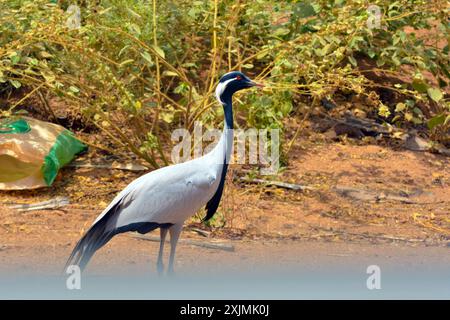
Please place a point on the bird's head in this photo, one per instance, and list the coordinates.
(232, 82)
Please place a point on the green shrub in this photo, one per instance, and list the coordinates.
(136, 69)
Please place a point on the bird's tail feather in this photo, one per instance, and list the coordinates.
(86, 247)
(95, 238)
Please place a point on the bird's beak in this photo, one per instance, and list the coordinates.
(255, 84)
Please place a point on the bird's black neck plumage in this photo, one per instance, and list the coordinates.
(228, 111)
(213, 203)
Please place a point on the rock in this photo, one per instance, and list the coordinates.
(415, 143)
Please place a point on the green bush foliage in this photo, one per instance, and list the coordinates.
(136, 69)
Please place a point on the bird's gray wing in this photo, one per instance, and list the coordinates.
(164, 196)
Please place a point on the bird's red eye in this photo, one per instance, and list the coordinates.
(238, 78)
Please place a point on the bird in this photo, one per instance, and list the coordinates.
(166, 197)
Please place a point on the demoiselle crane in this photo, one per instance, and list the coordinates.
(166, 197)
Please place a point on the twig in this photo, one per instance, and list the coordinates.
(280, 184)
(208, 245)
(118, 166)
(361, 124)
(44, 205)
(364, 195)
(29, 94)
(47, 105)
(300, 126)
(90, 144)
(200, 231)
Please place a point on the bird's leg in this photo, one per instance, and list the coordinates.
(175, 231)
(159, 264)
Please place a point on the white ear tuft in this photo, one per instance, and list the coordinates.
(221, 88)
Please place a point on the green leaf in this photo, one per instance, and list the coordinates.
(262, 55)
(48, 76)
(352, 61)
(123, 50)
(189, 65)
(435, 94)
(437, 120)
(410, 103)
(102, 11)
(304, 10)
(74, 89)
(409, 116)
(281, 32)
(134, 28)
(419, 86)
(167, 117)
(33, 62)
(416, 120)
(324, 51)
(168, 73)
(16, 84)
(133, 13)
(45, 54)
(447, 120)
(147, 57)
(159, 51)
(396, 60)
(247, 66)
(15, 59)
(403, 36)
(400, 107)
(445, 49)
(286, 108)
(417, 111)
(128, 61)
(182, 88)
(371, 53)
(395, 40)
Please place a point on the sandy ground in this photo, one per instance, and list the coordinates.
(267, 225)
